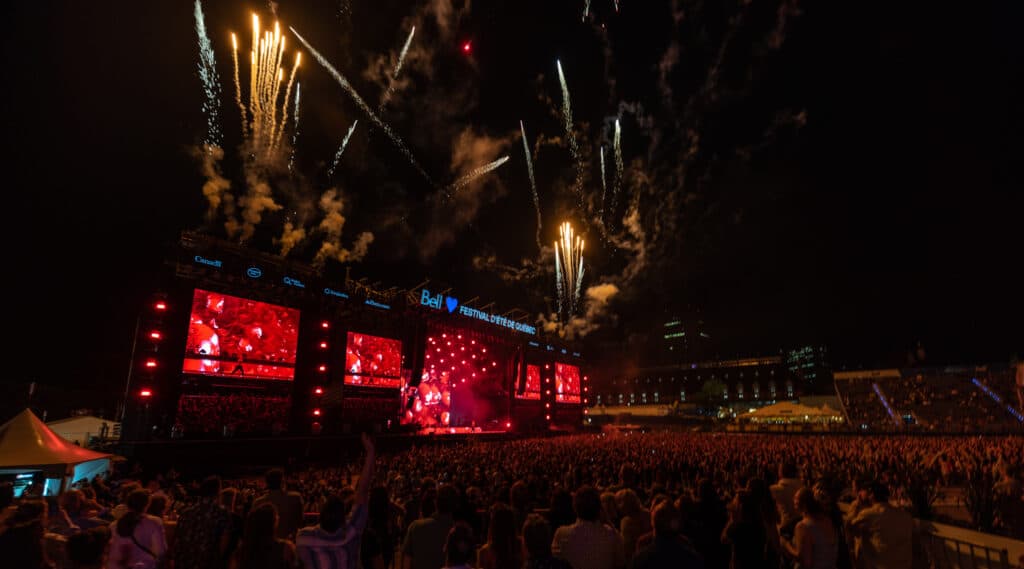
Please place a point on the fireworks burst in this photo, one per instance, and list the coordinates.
(476, 173)
(341, 149)
(265, 79)
(533, 182)
(363, 106)
(211, 83)
(568, 270)
(398, 68)
(570, 134)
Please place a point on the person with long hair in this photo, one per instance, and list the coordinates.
(745, 533)
(22, 535)
(260, 548)
(815, 542)
(635, 521)
(137, 539)
(503, 549)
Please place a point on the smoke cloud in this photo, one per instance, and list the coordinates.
(333, 222)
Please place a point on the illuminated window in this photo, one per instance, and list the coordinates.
(656, 398)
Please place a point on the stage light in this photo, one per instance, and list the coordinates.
(467, 47)
(316, 412)
(585, 388)
(151, 363)
(460, 336)
(547, 405)
(155, 335)
(548, 392)
(444, 335)
(160, 305)
(547, 366)
(145, 393)
(319, 391)
(586, 411)
(325, 324)
(547, 417)
(323, 345)
(508, 424)
(322, 368)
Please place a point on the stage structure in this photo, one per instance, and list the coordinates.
(238, 343)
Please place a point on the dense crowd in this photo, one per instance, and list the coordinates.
(227, 414)
(581, 502)
(933, 402)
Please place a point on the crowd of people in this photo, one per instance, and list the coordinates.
(932, 402)
(227, 414)
(586, 501)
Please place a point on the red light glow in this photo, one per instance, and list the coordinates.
(145, 393)
(325, 324)
(155, 335)
(316, 412)
(467, 47)
(319, 391)
(323, 345)
(322, 368)
(150, 363)
(161, 305)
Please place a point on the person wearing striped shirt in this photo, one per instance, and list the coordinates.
(334, 542)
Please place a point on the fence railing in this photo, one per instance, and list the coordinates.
(945, 552)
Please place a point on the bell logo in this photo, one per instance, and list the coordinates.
(439, 301)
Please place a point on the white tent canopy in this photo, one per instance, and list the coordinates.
(789, 411)
(82, 428)
(28, 445)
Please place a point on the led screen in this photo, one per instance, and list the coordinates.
(567, 383)
(461, 383)
(373, 361)
(235, 337)
(532, 389)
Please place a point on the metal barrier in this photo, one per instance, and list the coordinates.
(950, 553)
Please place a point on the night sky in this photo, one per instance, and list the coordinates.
(856, 184)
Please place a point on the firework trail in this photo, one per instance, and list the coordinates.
(287, 94)
(604, 188)
(398, 68)
(363, 106)
(570, 135)
(533, 182)
(476, 173)
(568, 270)
(559, 285)
(238, 85)
(619, 167)
(341, 149)
(265, 81)
(295, 133)
(211, 83)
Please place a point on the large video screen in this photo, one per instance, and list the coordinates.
(532, 388)
(240, 338)
(372, 361)
(567, 383)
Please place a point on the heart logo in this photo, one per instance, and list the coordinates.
(452, 303)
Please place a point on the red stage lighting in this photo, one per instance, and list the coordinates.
(508, 424)
(547, 366)
(160, 305)
(467, 47)
(145, 393)
(155, 335)
(323, 345)
(547, 417)
(151, 363)
(325, 324)
(547, 405)
(322, 368)
(319, 391)
(316, 412)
